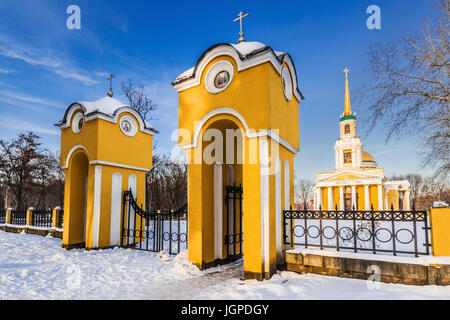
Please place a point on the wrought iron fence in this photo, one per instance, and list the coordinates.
(19, 217)
(393, 232)
(2, 216)
(60, 222)
(153, 230)
(42, 218)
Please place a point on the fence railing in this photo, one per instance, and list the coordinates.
(42, 218)
(2, 216)
(393, 232)
(60, 222)
(33, 218)
(153, 230)
(19, 217)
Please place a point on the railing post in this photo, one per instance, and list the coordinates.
(55, 217)
(291, 228)
(30, 216)
(8, 216)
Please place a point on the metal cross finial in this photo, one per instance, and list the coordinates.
(111, 77)
(346, 72)
(241, 16)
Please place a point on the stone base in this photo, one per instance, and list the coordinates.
(41, 232)
(390, 272)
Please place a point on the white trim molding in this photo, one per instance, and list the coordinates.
(249, 134)
(69, 155)
(114, 164)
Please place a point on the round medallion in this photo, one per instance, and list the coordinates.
(77, 122)
(128, 126)
(219, 76)
(286, 83)
(222, 79)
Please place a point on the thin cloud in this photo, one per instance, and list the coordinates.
(26, 98)
(40, 59)
(17, 124)
(5, 71)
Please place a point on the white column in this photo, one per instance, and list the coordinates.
(341, 158)
(380, 197)
(330, 198)
(97, 203)
(386, 205)
(366, 198)
(406, 201)
(319, 197)
(116, 209)
(278, 223)
(354, 205)
(354, 158)
(218, 212)
(265, 203)
(336, 159)
(341, 198)
(358, 157)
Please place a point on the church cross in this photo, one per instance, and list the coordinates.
(241, 16)
(111, 77)
(346, 72)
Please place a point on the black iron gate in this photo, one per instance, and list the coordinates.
(234, 235)
(153, 230)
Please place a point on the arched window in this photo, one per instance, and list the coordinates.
(347, 129)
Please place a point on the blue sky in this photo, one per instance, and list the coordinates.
(44, 66)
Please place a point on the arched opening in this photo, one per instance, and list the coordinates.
(76, 201)
(347, 129)
(222, 185)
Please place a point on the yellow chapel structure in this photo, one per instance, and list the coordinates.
(106, 149)
(356, 182)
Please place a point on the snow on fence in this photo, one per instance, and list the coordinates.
(386, 232)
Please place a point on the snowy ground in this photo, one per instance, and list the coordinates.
(33, 267)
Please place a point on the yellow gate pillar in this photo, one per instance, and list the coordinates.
(239, 125)
(106, 148)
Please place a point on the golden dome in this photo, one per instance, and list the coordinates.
(367, 157)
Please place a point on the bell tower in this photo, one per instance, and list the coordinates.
(348, 149)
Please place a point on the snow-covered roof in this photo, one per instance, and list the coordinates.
(246, 51)
(106, 106)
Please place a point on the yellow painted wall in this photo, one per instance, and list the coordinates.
(262, 85)
(393, 199)
(440, 227)
(373, 190)
(103, 141)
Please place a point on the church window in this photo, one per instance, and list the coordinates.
(347, 129)
(78, 122)
(347, 157)
(222, 79)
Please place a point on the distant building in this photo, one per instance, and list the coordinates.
(356, 183)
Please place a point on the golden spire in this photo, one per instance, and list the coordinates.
(348, 108)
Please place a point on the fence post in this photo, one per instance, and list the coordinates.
(30, 216)
(8, 216)
(440, 237)
(55, 217)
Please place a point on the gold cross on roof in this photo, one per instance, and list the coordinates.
(346, 71)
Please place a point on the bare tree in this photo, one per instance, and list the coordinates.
(412, 89)
(303, 191)
(139, 99)
(19, 162)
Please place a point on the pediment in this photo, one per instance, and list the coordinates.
(349, 174)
